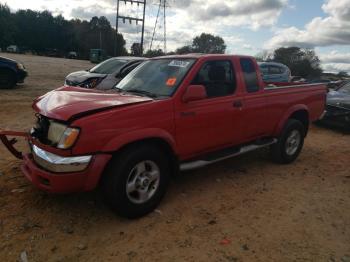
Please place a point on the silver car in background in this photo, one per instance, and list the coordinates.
(106, 74)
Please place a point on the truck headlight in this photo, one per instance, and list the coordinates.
(68, 138)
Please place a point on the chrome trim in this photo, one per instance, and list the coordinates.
(59, 164)
(201, 163)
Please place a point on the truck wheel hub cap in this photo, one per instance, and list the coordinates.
(293, 142)
(143, 182)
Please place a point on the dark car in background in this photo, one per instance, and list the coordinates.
(106, 74)
(11, 72)
(337, 112)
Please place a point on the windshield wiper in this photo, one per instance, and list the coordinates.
(142, 92)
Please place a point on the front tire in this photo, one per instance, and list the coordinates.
(136, 180)
(290, 142)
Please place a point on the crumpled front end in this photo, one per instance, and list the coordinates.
(53, 169)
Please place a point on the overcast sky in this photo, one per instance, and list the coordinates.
(248, 26)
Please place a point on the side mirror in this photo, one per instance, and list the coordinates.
(194, 93)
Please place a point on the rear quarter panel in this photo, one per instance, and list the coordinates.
(282, 102)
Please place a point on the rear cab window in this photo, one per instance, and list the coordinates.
(250, 75)
(218, 78)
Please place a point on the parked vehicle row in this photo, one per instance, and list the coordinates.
(170, 113)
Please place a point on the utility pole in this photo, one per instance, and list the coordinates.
(116, 30)
(130, 19)
(164, 7)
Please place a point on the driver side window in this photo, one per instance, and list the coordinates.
(217, 77)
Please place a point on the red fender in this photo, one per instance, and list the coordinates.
(286, 116)
(137, 135)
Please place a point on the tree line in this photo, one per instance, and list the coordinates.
(41, 32)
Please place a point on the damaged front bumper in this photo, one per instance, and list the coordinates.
(53, 173)
(9, 143)
(59, 164)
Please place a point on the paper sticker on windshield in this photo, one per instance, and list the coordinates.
(171, 81)
(179, 63)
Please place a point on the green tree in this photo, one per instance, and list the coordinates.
(184, 50)
(154, 53)
(302, 62)
(135, 49)
(42, 32)
(204, 43)
(120, 42)
(7, 27)
(208, 44)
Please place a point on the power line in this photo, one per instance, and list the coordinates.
(162, 5)
(155, 25)
(131, 19)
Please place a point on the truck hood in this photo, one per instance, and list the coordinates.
(67, 103)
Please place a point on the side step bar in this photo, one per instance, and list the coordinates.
(207, 161)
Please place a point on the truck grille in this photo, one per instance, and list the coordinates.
(41, 129)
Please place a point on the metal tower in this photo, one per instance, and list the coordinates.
(162, 5)
(130, 19)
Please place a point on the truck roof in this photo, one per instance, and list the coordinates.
(199, 55)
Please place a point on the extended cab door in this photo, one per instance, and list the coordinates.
(212, 122)
(256, 122)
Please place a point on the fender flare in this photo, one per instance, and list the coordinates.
(287, 115)
(139, 135)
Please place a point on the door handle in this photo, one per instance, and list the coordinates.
(187, 114)
(237, 103)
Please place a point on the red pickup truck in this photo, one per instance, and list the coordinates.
(171, 113)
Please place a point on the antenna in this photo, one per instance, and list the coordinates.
(130, 19)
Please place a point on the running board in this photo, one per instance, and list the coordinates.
(210, 160)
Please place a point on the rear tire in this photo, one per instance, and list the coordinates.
(7, 79)
(136, 180)
(290, 142)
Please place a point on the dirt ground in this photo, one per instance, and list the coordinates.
(242, 209)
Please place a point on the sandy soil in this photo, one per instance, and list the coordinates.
(242, 209)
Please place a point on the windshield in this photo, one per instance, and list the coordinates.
(109, 66)
(156, 77)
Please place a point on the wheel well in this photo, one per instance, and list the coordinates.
(162, 145)
(303, 117)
